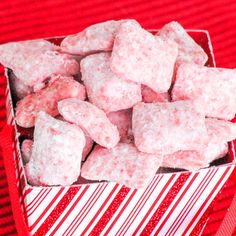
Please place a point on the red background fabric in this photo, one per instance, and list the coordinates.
(31, 19)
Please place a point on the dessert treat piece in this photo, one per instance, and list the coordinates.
(189, 160)
(189, 50)
(46, 99)
(123, 164)
(26, 150)
(123, 121)
(221, 130)
(57, 152)
(165, 128)
(141, 57)
(212, 88)
(33, 62)
(149, 96)
(93, 120)
(105, 89)
(20, 90)
(98, 37)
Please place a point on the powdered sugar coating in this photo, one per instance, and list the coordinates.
(149, 96)
(104, 88)
(139, 56)
(35, 61)
(97, 37)
(57, 152)
(165, 128)
(93, 120)
(221, 130)
(26, 150)
(20, 90)
(188, 159)
(88, 141)
(212, 88)
(189, 50)
(123, 121)
(46, 99)
(123, 164)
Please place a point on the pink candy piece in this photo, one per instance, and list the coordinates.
(189, 50)
(149, 96)
(46, 99)
(123, 164)
(35, 61)
(189, 160)
(26, 150)
(221, 130)
(57, 152)
(123, 121)
(139, 56)
(212, 88)
(20, 90)
(105, 89)
(93, 120)
(165, 128)
(98, 37)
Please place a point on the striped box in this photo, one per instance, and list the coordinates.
(173, 203)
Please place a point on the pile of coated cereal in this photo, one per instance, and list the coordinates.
(115, 102)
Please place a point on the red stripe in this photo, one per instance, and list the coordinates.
(121, 211)
(100, 209)
(77, 224)
(94, 193)
(206, 201)
(101, 224)
(181, 179)
(39, 196)
(139, 205)
(36, 198)
(192, 200)
(38, 205)
(58, 210)
(46, 209)
(172, 194)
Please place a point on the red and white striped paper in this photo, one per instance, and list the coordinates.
(173, 203)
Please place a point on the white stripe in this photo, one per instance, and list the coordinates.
(94, 209)
(213, 196)
(117, 212)
(143, 197)
(193, 203)
(77, 208)
(179, 207)
(70, 228)
(104, 209)
(37, 214)
(157, 190)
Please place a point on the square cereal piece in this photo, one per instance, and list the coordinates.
(189, 50)
(97, 37)
(165, 128)
(212, 88)
(91, 119)
(104, 88)
(35, 61)
(124, 164)
(46, 99)
(57, 152)
(141, 57)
